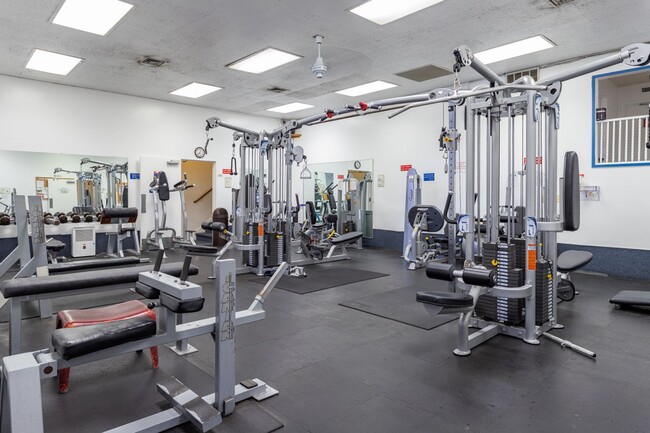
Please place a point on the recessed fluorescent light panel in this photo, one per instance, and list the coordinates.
(195, 90)
(364, 89)
(52, 63)
(514, 49)
(263, 61)
(290, 108)
(92, 16)
(385, 11)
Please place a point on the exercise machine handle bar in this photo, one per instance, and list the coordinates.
(471, 276)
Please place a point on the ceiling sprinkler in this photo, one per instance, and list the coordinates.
(319, 69)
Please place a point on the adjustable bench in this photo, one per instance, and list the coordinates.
(20, 290)
(568, 262)
(80, 332)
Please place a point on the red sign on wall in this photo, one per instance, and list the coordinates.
(405, 167)
(340, 177)
(226, 171)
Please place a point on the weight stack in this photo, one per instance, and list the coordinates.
(275, 249)
(520, 255)
(250, 238)
(543, 292)
(502, 258)
(503, 310)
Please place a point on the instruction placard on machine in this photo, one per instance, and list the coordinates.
(429, 177)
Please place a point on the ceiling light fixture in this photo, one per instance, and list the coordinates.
(364, 89)
(263, 61)
(92, 16)
(514, 49)
(52, 63)
(319, 69)
(385, 11)
(195, 90)
(290, 108)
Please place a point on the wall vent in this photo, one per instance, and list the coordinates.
(560, 2)
(645, 89)
(276, 89)
(514, 76)
(154, 62)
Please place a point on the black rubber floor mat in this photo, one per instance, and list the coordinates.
(399, 305)
(321, 278)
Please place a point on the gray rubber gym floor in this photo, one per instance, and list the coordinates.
(342, 370)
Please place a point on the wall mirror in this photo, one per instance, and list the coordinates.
(620, 118)
(344, 188)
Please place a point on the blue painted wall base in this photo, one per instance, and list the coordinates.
(616, 262)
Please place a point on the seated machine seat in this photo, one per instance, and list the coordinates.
(318, 225)
(571, 260)
(201, 249)
(54, 245)
(111, 313)
(347, 238)
(632, 298)
(446, 299)
(74, 342)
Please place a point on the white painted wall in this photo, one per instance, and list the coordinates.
(412, 139)
(37, 116)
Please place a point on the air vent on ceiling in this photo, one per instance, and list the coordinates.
(276, 89)
(424, 73)
(154, 62)
(560, 2)
(645, 89)
(514, 76)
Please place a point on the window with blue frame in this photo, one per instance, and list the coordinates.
(621, 111)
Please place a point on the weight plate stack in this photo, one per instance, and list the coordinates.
(543, 292)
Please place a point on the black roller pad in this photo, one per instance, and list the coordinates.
(82, 265)
(83, 280)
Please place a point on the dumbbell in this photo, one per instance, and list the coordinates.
(471, 276)
(88, 217)
(63, 218)
(5, 219)
(49, 219)
(75, 218)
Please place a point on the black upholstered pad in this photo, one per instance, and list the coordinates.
(347, 238)
(81, 265)
(83, 280)
(54, 245)
(201, 249)
(73, 342)
(130, 213)
(571, 260)
(631, 297)
(445, 299)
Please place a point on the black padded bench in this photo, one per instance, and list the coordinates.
(445, 300)
(568, 262)
(82, 265)
(631, 298)
(19, 290)
(572, 260)
(347, 238)
(74, 342)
